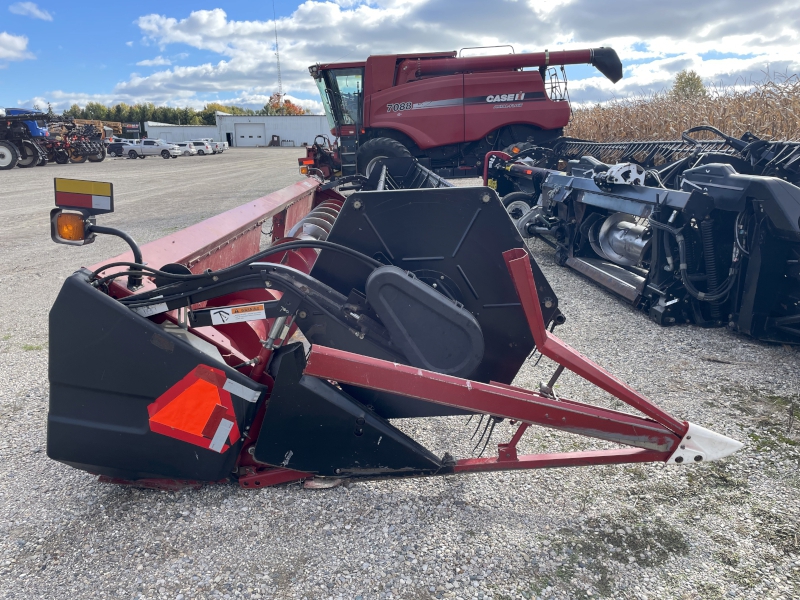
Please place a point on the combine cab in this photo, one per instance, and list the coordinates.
(202, 358)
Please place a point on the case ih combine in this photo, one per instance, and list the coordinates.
(447, 111)
(202, 358)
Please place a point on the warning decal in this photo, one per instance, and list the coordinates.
(237, 314)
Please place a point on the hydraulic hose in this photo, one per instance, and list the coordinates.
(717, 294)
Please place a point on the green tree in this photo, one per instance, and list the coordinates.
(687, 85)
(74, 111)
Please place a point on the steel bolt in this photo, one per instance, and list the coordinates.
(302, 314)
(486, 197)
(251, 450)
(357, 204)
(337, 471)
(268, 284)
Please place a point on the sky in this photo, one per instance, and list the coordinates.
(191, 53)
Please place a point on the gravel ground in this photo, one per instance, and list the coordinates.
(717, 530)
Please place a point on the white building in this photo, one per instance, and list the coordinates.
(247, 131)
(178, 133)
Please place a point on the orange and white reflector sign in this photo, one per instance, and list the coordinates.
(198, 409)
(93, 197)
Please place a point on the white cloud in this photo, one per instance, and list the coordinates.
(725, 41)
(158, 61)
(129, 44)
(13, 47)
(30, 9)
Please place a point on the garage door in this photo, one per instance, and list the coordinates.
(250, 134)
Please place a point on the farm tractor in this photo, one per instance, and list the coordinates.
(447, 111)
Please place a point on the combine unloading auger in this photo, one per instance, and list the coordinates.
(276, 365)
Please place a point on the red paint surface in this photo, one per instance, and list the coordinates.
(518, 263)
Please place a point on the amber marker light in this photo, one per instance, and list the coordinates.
(70, 226)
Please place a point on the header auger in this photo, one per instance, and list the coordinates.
(200, 358)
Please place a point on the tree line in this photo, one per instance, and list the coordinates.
(138, 113)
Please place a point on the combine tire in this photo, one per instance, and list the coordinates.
(8, 156)
(165, 154)
(132, 154)
(33, 155)
(99, 157)
(42, 162)
(61, 157)
(378, 148)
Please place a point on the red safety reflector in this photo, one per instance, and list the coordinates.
(197, 410)
(308, 161)
(528, 171)
(69, 199)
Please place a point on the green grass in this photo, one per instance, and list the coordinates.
(31, 347)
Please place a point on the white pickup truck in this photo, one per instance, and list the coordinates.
(145, 148)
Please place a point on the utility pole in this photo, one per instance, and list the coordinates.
(277, 53)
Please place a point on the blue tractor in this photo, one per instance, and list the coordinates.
(20, 129)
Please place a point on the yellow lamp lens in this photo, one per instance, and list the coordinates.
(303, 170)
(70, 226)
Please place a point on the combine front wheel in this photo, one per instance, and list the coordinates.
(378, 148)
(8, 156)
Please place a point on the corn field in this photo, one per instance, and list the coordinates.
(769, 109)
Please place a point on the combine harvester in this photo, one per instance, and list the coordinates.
(446, 110)
(201, 358)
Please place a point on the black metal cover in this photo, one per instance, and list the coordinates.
(107, 364)
(453, 238)
(432, 331)
(312, 426)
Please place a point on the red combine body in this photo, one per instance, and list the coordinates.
(448, 110)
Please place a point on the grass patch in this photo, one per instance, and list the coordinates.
(5, 338)
(32, 347)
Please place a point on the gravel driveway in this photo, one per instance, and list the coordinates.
(717, 530)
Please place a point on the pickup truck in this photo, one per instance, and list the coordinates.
(145, 148)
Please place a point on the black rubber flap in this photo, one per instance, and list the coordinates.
(432, 331)
(312, 426)
(107, 365)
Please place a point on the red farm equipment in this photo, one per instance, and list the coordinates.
(202, 358)
(445, 110)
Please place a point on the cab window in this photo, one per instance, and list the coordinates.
(345, 94)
